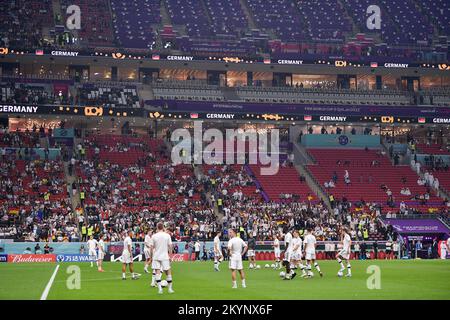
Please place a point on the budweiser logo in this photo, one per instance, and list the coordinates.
(31, 258)
(178, 257)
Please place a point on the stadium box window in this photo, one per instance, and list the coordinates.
(262, 79)
(314, 81)
(236, 78)
(127, 74)
(392, 82)
(100, 73)
(182, 74)
(430, 82)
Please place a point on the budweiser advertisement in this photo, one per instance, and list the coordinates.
(31, 258)
(179, 257)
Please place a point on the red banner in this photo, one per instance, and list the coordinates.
(31, 258)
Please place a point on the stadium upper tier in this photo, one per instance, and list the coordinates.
(250, 26)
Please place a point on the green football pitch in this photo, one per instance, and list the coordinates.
(415, 279)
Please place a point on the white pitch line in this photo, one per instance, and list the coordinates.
(49, 284)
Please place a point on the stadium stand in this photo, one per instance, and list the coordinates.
(34, 198)
(110, 96)
(23, 22)
(321, 96)
(96, 29)
(186, 90)
(373, 172)
(133, 22)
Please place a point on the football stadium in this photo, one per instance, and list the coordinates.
(224, 150)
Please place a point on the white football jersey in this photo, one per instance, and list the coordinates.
(161, 242)
(92, 244)
(297, 242)
(288, 241)
(310, 242)
(276, 244)
(346, 242)
(127, 242)
(236, 246)
(217, 244)
(147, 241)
(101, 245)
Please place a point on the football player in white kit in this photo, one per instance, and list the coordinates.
(445, 248)
(287, 251)
(92, 247)
(101, 253)
(310, 253)
(296, 257)
(127, 256)
(344, 253)
(147, 252)
(277, 251)
(251, 253)
(236, 249)
(161, 247)
(218, 256)
(148, 255)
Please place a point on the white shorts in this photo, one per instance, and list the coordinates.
(344, 254)
(277, 254)
(250, 253)
(126, 257)
(162, 265)
(443, 253)
(147, 253)
(93, 253)
(101, 255)
(297, 256)
(310, 255)
(236, 264)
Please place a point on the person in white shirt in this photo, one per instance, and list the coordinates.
(277, 251)
(148, 255)
(297, 248)
(445, 248)
(161, 247)
(344, 253)
(310, 253)
(101, 253)
(197, 250)
(287, 251)
(218, 257)
(236, 249)
(92, 247)
(127, 256)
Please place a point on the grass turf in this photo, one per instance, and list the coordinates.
(417, 279)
